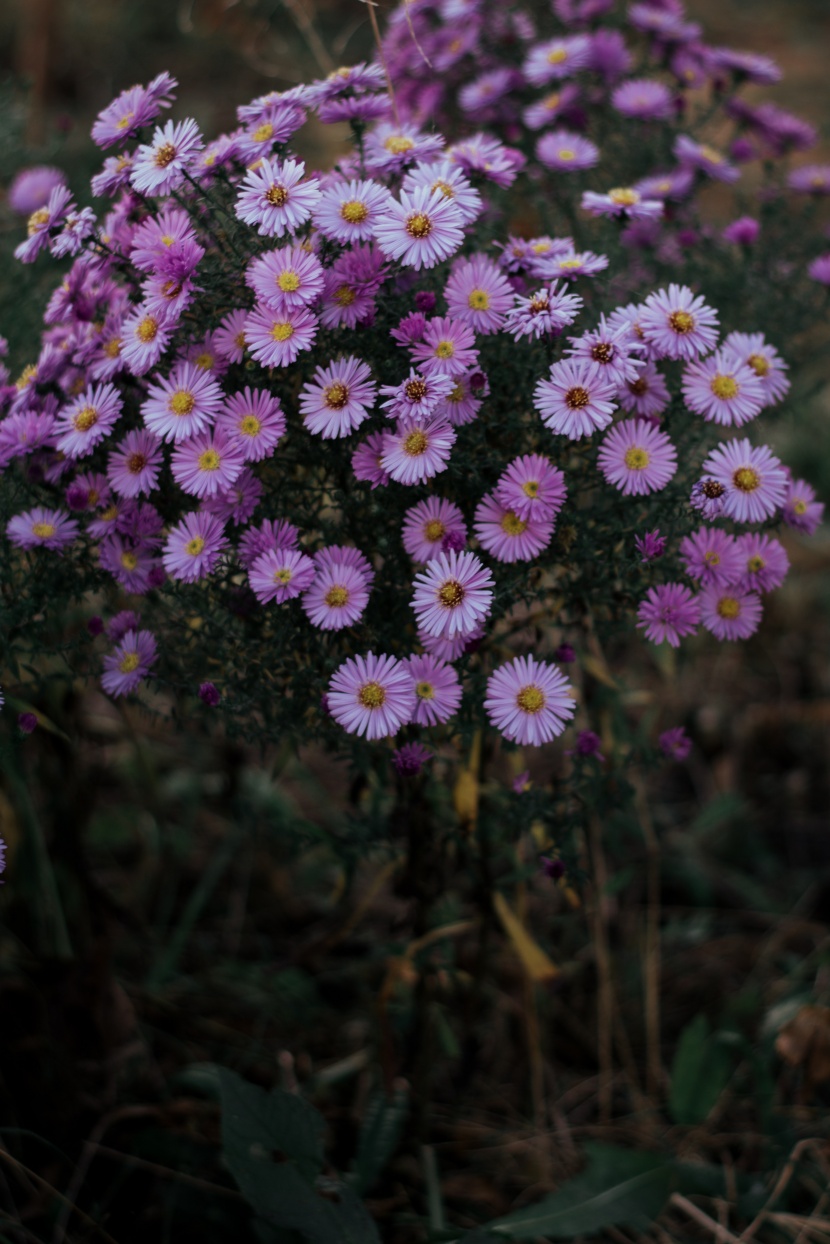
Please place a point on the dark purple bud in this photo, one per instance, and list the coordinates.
(27, 722)
(552, 868)
(425, 300)
(95, 626)
(209, 695)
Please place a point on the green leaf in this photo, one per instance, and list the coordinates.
(700, 1072)
(258, 1125)
(379, 1135)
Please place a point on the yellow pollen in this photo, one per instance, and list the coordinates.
(171, 289)
(371, 695)
(277, 196)
(539, 303)
(110, 513)
(288, 281)
(478, 300)
(724, 386)
(344, 295)
(759, 364)
(756, 563)
(85, 419)
(209, 158)
(282, 331)
(434, 530)
(530, 699)
(445, 188)
(195, 546)
(729, 607)
(711, 557)
(343, 72)
(204, 361)
(425, 691)
(209, 460)
(37, 220)
(451, 594)
(128, 663)
(113, 348)
(415, 390)
(456, 393)
(181, 403)
(398, 144)
(637, 459)
(512, 525)
(444, 350)
(124, 161)
(354, 212)
(681, 322)
(148, 328)
(167, 239)
(43, 531)
(746, 479)
(129, 560)
(124, 121)
(249, 425)
(282, 576)
(540, 248)
(419, 225)
(624, 197)
(239, 341)
(557, 56)
(263, 132)
(337, 596)
(136, 464)
(566, 154)
(709, 153)
(530, 488)
(415, 444)
(577, 397)
(165, 155)
(551, 102)
(800, 507)
(336, 395)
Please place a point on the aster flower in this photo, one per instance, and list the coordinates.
(42, 528)
(576, 263)
(481, 153)
(88, 491)
(746, 65)
(743, 232)
(566, 152)
(437, 689)
(486, 90)
(764, 563)
(206, 357)
(557, 58)
(340, 591)
(545, 312)
(448, 347)
(765, 361)
(237, 502)
(275, 338)
(209, 694)
(451, 649)
(275, 198)
(819, 270)
(418, 449)
(32, 187)
(723, 389)
(159, 165)
(349, 210)
(143, 339)
(707, 496)
(41, 222)
(508, 537)
(648, 395)
(577, 400)
(389, 148)
(550, 107)
(207, 463)
(274, 125)
(643, 98)
(754, 480)
(588, 743)
(371, 696)
(410, 759)
(339, 398)
(87, 420)
(675, 184)
(367, 461)
(532, 488)
(448, 180)
(122, 622)
(159, 236)
(801, 510)
(269, 535)
(650, 545)
(478, 294)
(410, 329)
(668, 613)
(286, 279)
(453, 594)
(529, 701)
(131, 662)
(350, 287)
(194, 546)
(253, 421)
(426, 526)
(181, 404)
(464, 400)
(280, 574)
(810, 179)
(129, 561)
(623, 203)
(133, 466)
(230, 336)
(421, 230)
(730, 613)
(711, 556)
(675, 744)
(615, 350)
(704, 158)
(677, 324)
(77, 227)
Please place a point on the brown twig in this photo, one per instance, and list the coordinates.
(787, 1172)
(721, 1234)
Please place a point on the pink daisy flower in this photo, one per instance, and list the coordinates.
(648, 395)
(129, 562)
(160, 236)
(508, 537)
(622, 203)
(269, 535)
(532, 488)
(339, 398)
(566, 152)
(801, 510)
(547, 311)
(452, 595)
(572, 264)
(230, 336)
(730, 613)
(390, 148)
(637, 458)
(349, 210)
(644, 99)
(286, 279)
(767, 364)
(280, 574)
(158, 166)
(763, 563)
(712, 556)
(206, 464)
(421, 230)
(676, 324)
(133, 466)
(42, 528)
(131, 662)
(143, 339)
(478, 294)
(754, 481)
(557, 58)
(194, 546)
(181, 404)
(428, 524)
(529, 701)
(340, 591)
(367, 461)
(448, 180)
(253, 421)
(577, 400)
(418, 449)
(723, 389)
(41, 222)
(451, 649)
(616, 350)
(275, 198)
(448, 346)
(237, 502)
(704, 158)
(481, 153)
(88, 420)
(417, 397)
(668, 613)
(675, 184)
(464, 400)
(128, 113)
(371, 696)
(550, 107)
(275, 124)
(275, 338)
(437, 690)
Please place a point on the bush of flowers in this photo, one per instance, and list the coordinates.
(371, 455)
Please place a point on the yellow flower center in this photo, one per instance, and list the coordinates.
(456, 393)
(398, 144)
(204, 361)
(759, 364)
(113, 348)
(565, 265)
(746, 479)
(729, 607)
(85, 419)
(755, 563)
(444, 350)
(282, 330)
(681, 322)
(512, 525)
(557, 56)
(451, 593)
(711, 558)
(167, 239)
(165, 155)
(129, 560)
(344, 295)
(425, 691)
(37, 220)
(123, 123)
(337, 596)
(128, 662)
(147, 329)
(263, 132)
(110, 513)
(800, 507)
(478, 300)
(724, 386)
(566, 154)
(181, 403)
(530, 488)
(434, 530)
(28, 374)
(445, 188)
(577, 397)
(277, 196)
(624, 197)
(249, 425)
(336, 395)
(282, 576)
(551, 102)
(419, 225)
(637, 459)
(415, 444)
(638, 387)
(195, 546)
(709, 153)
(354, 212)
(371, 695)
(43, 531)
(531, 699)
(288, 281)
(538, 304)
(239, 340)
(209, 460)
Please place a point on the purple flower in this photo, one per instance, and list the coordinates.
(675, 744)
(448, 347)
(707, 496)
(130, 111)
(676, 184)
(209, 694)
(181, 404)
(42, 528)
(253, 421)
(753, 479)
(587, 744)
(371, 696)
(650, 545)
(801, 510)
(676, 324)
(206, 464)
(133, 466)
(95, 626)
(286, 279)
(486, 155)
(339, 398)
(529, 701)
(743, 232)
(565, 653)
(274, 125)
(545, 312)
(410, 759)
(637, 458)
(819, 269)
(425, 301)
(548, 109)
(340, 591)
(643, 98)
(478, 294)
(623, 203)
(668, 613)
(390, 148)
(711, 556)
(32, 188)
(280, 574)
(418, 449)
(448, 180)
(117, 627)
(27, 723)
(144, 338)
(349, 210)
(41, 221)
(553, 868)
(577, 400)
(647, 395)
(810, 179)
(764, 563)
(532, 487)
(194, 546)
(159, 166)
(131, 661)
(765, 361)
(437, 690)
(87, 420)
(566, 152)
(410, 329)
(576, 263)
(704, 158)
(730, 613)
(421, 230)
(508, 537)
(723, 389)
(558, 58)
(275, 198)
(276, 338)
(367, 461)
(452, 595)
(614, 348)
(521, 783)
(426, 526)
(269, 535)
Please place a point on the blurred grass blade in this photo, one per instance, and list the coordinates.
(534, 960)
